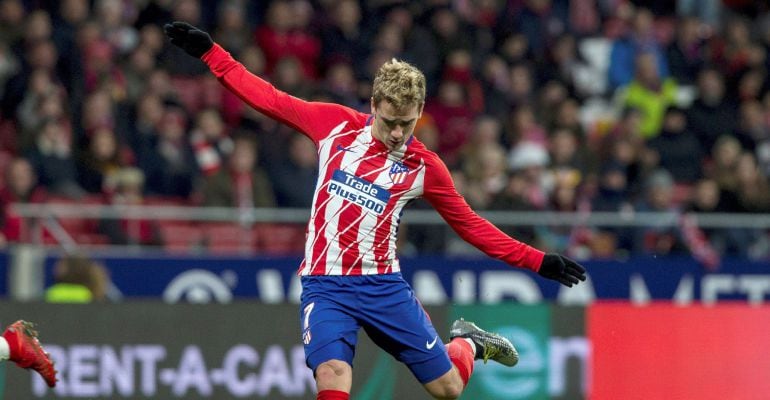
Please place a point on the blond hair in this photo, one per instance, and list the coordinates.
(400, 83)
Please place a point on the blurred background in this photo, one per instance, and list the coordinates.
(633, 136)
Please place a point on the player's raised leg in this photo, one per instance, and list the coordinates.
(486, 345)
(19, 344)
(467, 343)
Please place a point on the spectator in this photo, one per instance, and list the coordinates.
(687, 54)
(724, 161)
(495, 83)
(525, 128)
(141, 63)
(551, 95)
(712, 114)
(77, 279)
(21, 186)
(242, 184)
(174, 60)
(419, 45)
(752, 129)
(528, 161)
(458, 68)
(449, 32)
(649, 93)
(564, 198)
(522, 89)
(521, 193)
(566, 154)
(341, 84)
(709, 198)
(144, 123)
(751, 85)
(44, 100)
(129, 186)
(342, 38)
(286, 33)
(627, 50)
(677, 149)
(737, 52)
(295, 179)
(12, 14)
(232, 32)
(37, 56)
(210, 141)
(288, 76)
(99, 162)
(752, 189)
(568, 117)
(541, 21)
(484, 167)
(562, 63)
(54, 161)
(169, 162)
(658, 197)
(453, 119)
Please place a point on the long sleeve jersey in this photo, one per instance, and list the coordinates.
(362, 186)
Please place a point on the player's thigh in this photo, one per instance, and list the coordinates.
(329, 331)
(400, 326)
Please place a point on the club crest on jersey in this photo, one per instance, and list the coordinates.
(398, 172)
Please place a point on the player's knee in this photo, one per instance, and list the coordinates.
(446, 390)
(449, 392)
(333, 374)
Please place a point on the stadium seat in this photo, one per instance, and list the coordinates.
(280, 238)
(229, 238)
(180, 237)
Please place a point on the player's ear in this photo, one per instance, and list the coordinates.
(373, 105)
(419, 113)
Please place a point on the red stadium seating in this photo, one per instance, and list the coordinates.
(281, 238)
(224, 238)
(180, 237)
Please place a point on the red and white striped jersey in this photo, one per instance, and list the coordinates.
(362, 186)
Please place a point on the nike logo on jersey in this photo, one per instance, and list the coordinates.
(340, 148)
(429, 345)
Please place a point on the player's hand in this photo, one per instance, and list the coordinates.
(562, 269)
(189, 38)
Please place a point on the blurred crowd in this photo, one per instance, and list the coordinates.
(580, 105)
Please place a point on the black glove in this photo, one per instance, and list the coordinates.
(189, 38)
(562, 269)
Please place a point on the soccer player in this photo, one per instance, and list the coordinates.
(370, 167)
(19, 344)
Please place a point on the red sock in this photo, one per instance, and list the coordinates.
(332, 395)
(461, 354)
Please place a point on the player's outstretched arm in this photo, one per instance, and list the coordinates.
(561, 269)
(441, 193)
(314, 119)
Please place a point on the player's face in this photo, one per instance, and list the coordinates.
(392, 126)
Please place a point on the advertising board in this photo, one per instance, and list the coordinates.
(664, 351)
(439, 280)
(152, 350)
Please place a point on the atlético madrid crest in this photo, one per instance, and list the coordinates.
(398, 172)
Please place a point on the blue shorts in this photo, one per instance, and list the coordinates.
(333, 308)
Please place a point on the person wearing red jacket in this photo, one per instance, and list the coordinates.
(370, 167)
